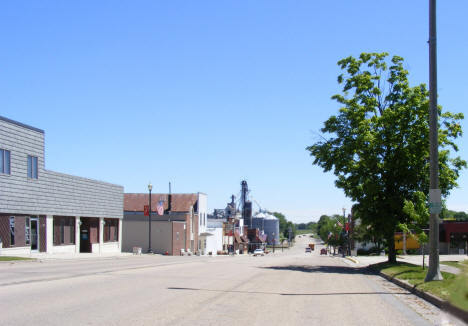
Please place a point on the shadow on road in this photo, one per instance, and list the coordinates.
(322, 269)
(280, 293)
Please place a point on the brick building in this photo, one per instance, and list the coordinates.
(182, 224)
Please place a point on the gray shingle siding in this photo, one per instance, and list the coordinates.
(52, 193)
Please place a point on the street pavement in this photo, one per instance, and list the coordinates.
(284, 288)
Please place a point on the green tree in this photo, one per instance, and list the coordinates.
(285, 232)
(418, 215)
(378, 144)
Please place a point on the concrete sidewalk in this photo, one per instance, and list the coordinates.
(69, 256)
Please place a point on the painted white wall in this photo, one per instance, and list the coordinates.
(202, 212)
(120, 235)
(77, 234)
(110, 247)
(49, 233)
(15, 251)
(101, 234)
(95, 247)
(66, 249)
(215, 241)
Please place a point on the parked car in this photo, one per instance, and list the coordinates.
(308, 249)
(323, 251)
(258, 252)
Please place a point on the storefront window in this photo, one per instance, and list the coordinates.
(12, 230)
(111, 229)
(27, 231)
(64, 230)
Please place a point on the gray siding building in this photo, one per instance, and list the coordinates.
(46, 211)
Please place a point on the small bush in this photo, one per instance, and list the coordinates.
(371, 251)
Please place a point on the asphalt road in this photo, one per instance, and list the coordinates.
(289, 288)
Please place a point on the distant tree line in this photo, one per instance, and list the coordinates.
(448, 214)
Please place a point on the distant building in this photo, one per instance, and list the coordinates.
(453, 237)
(182, 225)
(51, 212)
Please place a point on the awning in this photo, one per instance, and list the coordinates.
(205, 234)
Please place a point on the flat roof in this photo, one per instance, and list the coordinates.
(21, 124)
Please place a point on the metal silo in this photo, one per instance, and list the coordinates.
(258, 221)
(271, 228)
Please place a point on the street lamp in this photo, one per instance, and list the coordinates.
(344, 225)
(150, 251)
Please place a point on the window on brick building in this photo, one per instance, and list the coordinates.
(64, 230)
(27, 231)
(111, 229)
(12, 230)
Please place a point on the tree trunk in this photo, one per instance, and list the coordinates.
(391, 246)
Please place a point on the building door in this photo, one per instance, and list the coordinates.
(34, 234)
(85, 240)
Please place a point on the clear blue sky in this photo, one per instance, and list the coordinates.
(206, 93)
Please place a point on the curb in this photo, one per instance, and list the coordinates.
(436, 301)
(352, 259)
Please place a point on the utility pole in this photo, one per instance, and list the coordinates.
(433, 273)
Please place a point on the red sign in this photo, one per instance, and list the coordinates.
(146, 210)
(347, 227)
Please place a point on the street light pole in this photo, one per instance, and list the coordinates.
(150, 251)
(348, 234)
(433, 273)
(344, 226)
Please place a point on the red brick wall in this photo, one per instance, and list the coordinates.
(20, 231)
(5, 230)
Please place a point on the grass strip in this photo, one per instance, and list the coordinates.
(457, 264)
(9, 258)
(453, 288)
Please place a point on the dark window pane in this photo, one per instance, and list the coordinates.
(12, 230)
(29, 166)
(62, 231)
(7, 162)
(72, 230)
(2, 159)
(32, 167)
(116, 230)
(35, 167)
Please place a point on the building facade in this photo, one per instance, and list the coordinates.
(47, 211)
(188, 209)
